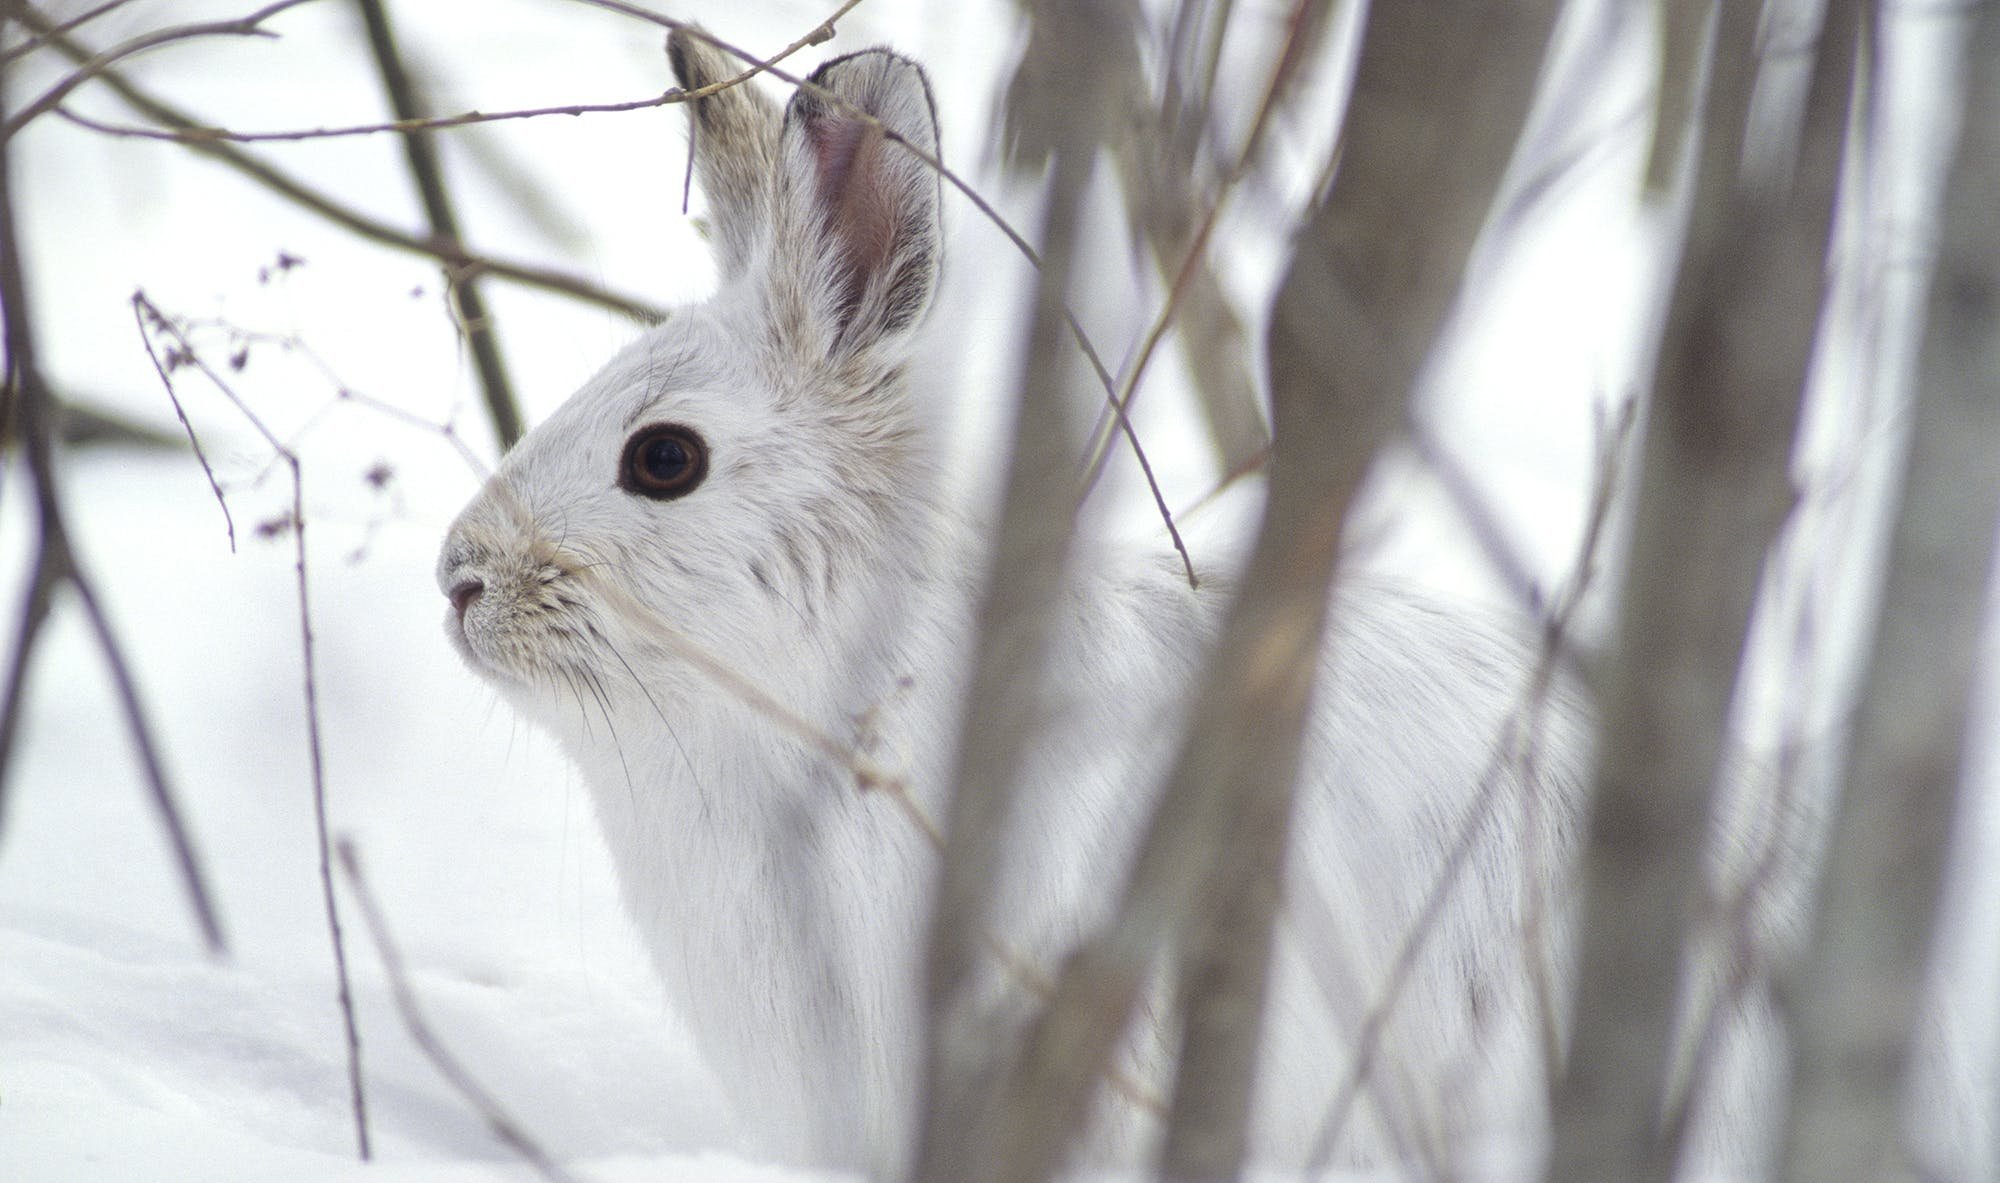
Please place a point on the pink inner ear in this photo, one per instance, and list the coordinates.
(859, 211)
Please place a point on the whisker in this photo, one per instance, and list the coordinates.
(665, 722)
(598, 692)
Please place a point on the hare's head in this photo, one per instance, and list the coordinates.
(730, 478)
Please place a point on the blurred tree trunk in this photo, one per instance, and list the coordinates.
(1374, 274)
(1059, 126)
(1856, 1002)
(1713, 491)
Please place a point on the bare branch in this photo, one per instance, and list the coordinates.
(420, 151)
(963, 1138)
(333, 210)
(246, 26)
(198, 135)
(32, 44)
(675, 95)
(55, 565)
(1713, 491)
(1345, 346)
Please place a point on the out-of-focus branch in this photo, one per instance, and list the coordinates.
(1369, 287)
(246, 26)
(968, 1133)
(1856, 1003)
(28, 411)
(462, 288)
(1713, 491)
(307, 197)
(1683, 32)
(31, 44)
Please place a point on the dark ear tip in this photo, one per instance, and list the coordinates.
(677, 40)
(695, 61)
(871, 79)
(903, 70)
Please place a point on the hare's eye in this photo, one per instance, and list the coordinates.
(663, 461)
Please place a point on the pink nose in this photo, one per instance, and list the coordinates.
(463, 593)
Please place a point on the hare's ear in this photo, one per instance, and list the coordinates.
(856, 215)
(733, 135)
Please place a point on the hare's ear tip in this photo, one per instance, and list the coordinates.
(879, 81)
(887, 62)
(694, 59)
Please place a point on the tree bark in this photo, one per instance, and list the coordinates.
(1713, 492)
(1856, 1004)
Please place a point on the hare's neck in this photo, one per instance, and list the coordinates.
(774, 898)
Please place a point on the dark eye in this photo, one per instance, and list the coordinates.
(664, 461)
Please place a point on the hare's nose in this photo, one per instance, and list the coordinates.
(463, 593)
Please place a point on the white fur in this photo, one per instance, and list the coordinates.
(784, 904)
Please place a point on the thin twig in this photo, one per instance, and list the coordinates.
(195, 135)
(201, 457)
(76, 22)
(298, 192)
(246, 26)
(151, 318)
(502, 1125)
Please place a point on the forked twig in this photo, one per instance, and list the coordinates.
(180, 413)
(151, 319)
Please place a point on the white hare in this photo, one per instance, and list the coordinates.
(729, 542)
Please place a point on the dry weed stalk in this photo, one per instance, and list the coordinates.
(184, 353)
